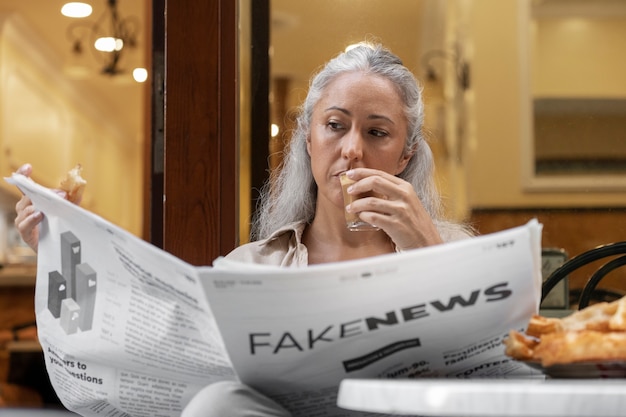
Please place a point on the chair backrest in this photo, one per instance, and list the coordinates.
(585, 258)
(559, 297)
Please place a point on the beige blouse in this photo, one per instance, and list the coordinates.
(285, 248)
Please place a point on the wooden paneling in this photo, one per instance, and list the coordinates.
(259, 98)
(575, 230)
(199, 219)
(18, 309)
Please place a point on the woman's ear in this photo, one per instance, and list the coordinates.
(308, 144)
(404, 160)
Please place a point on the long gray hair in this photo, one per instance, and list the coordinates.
(291, 195)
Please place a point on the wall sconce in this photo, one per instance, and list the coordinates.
(110, 36)
(461, 66)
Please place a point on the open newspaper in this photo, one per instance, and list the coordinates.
(130, 330)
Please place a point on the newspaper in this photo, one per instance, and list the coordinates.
(130, 330)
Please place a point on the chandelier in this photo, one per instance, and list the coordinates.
(109, 38)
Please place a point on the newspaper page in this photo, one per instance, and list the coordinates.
(124, 327)
(130, 330)
(441, 311)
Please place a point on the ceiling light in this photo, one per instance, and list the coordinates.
(140, 74)
(108, 44)
(274, 130)
(111, 36)
(76, 9)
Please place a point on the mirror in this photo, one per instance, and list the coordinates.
(578, 95)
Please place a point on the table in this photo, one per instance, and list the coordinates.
(18, 275)
(486, 397)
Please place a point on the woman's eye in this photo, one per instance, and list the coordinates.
(378, 133)
(334, 125)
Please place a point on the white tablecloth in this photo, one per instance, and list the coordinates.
(486, 397)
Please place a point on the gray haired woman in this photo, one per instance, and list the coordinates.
(363, 115)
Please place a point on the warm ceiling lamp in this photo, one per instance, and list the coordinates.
(110, 35)
(76, 9)
(140, 75)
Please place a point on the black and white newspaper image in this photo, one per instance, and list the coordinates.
(127, 329)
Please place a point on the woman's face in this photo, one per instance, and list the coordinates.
(358, 122)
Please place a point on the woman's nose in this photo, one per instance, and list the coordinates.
(352, 148)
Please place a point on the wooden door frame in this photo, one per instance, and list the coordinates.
(193, 202)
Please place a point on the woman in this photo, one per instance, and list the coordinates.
(363, 115)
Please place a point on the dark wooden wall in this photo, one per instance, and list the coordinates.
(575, 230)
(193, 211)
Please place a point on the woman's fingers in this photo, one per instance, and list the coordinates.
(395, 208)
(22, 204)
(27, 221)
(380, 183)
(25, 170)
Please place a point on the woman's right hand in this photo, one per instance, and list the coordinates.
(28, 219)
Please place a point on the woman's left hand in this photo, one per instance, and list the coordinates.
(396, 208)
